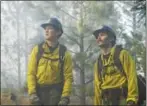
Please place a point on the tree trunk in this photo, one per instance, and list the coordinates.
(82, 72)
(26, 46)
(82, 89)
(134, 20)
(18, 45)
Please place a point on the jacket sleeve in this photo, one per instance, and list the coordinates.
(97, 90)
(32, 69)
(68, 75)
(131, 74)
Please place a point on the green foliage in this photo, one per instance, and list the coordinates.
(138, 48)
(140, 9)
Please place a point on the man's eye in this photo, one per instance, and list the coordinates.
(50, 28)
(103, 34)
(46, 28)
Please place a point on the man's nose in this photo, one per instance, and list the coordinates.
(98, 37)
(46, 30)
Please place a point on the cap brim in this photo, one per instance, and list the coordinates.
(96, 32)
(46, 24)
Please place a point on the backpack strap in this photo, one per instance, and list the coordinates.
(40, 52)
(62, 50)
(116, 58)
(100, 69)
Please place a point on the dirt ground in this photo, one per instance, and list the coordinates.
(23, 100)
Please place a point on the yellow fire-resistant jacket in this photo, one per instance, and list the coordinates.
(47, 71)
(118, 79)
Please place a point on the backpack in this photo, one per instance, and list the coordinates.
(62, 50)
(141, 80)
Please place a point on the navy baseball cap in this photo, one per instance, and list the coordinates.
(104, 29)
(53, 22)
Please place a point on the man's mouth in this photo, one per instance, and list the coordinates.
(99, 40)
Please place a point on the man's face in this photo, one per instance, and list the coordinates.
(102, 39)
(51, 33)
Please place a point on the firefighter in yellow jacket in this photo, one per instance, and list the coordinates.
(112, 86)
(48, 84)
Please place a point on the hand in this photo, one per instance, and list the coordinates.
(34, 99)
(64, 101)
(130, 103)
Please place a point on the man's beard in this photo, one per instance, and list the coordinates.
(50, 38)
(106, 43)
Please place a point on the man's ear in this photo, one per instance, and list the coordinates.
(59, 33)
